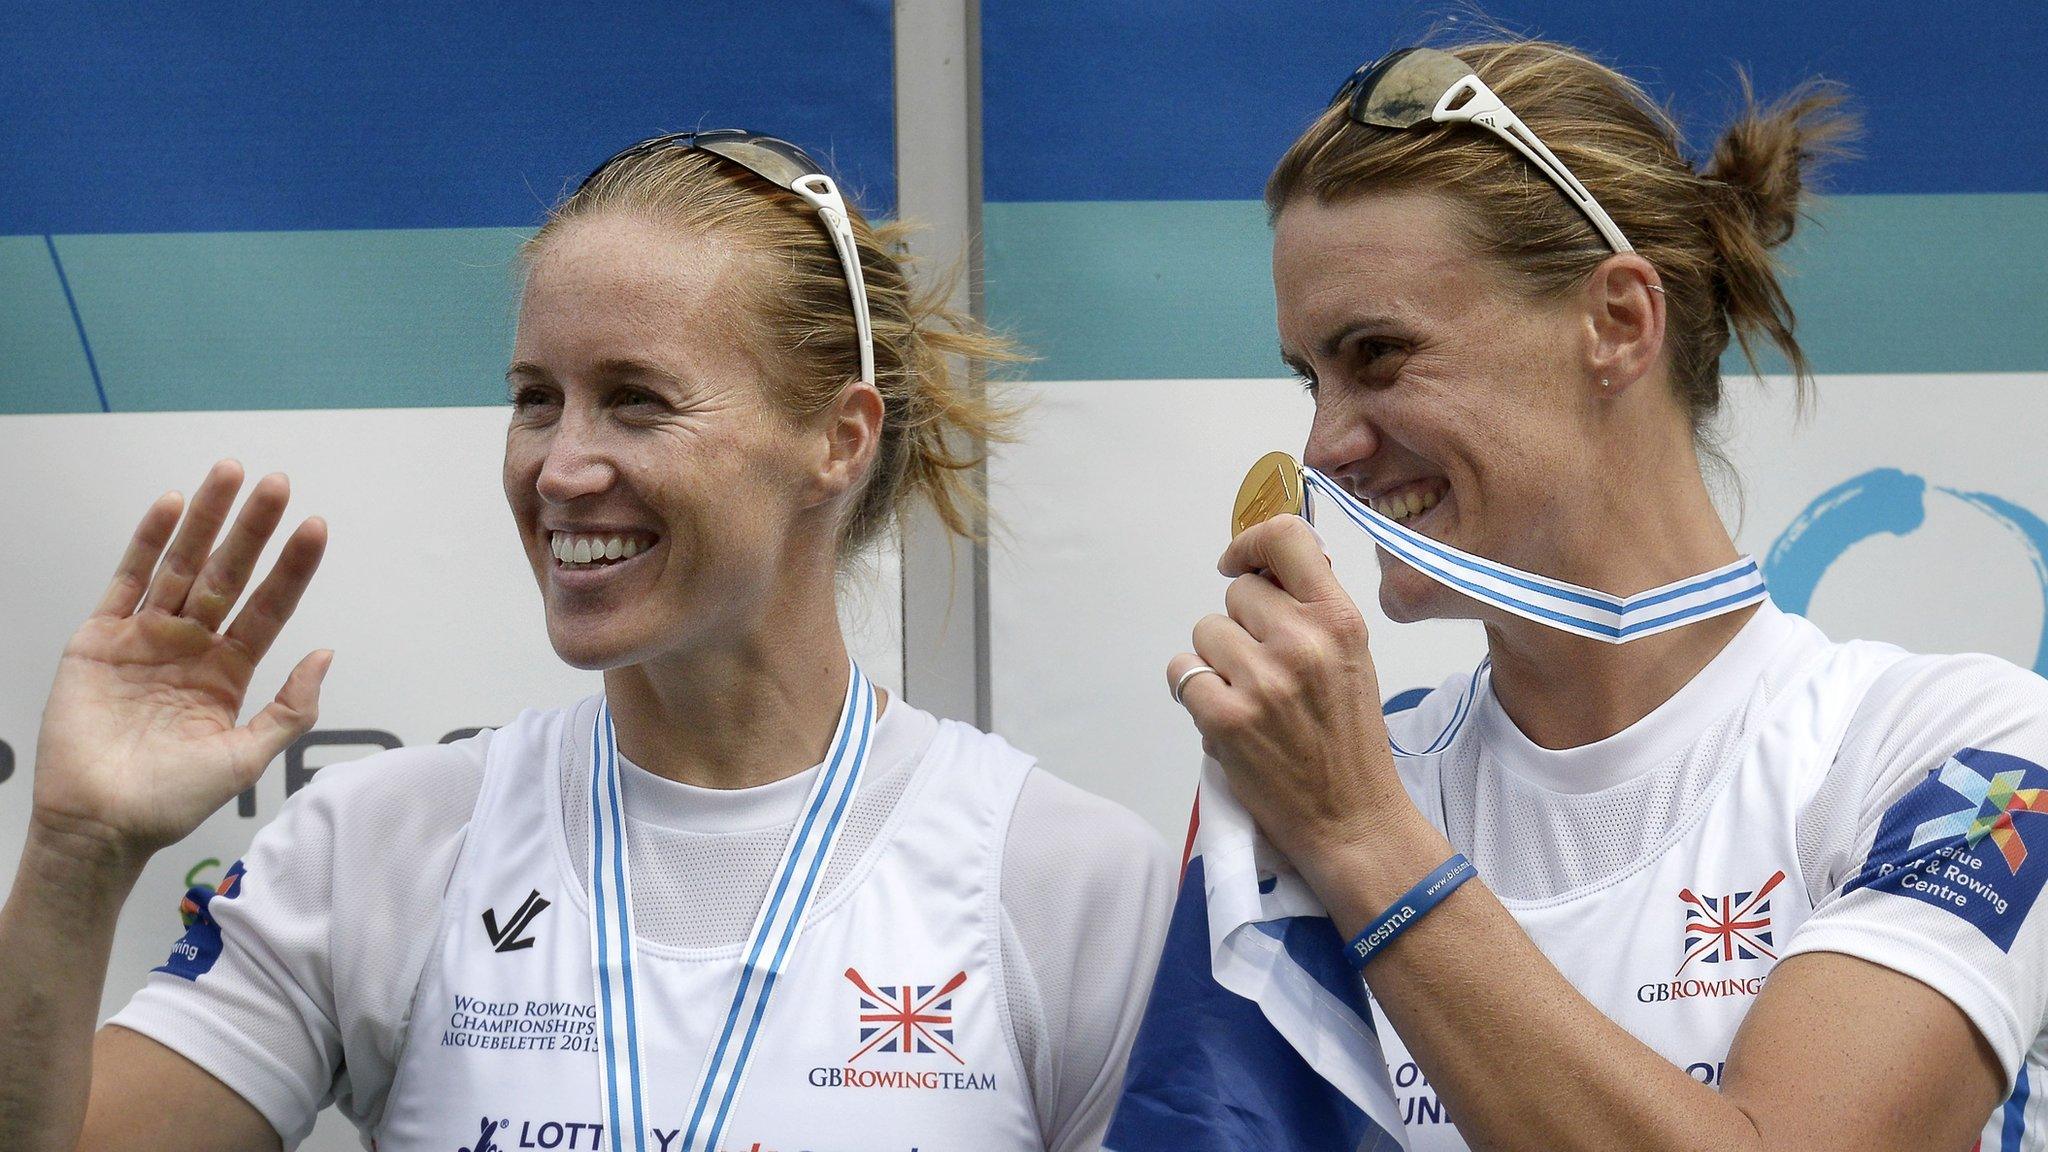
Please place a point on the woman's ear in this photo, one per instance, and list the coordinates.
(853, 434)
(1624, 309)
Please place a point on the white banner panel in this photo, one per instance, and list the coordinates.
(424, 595)
(1912, 497)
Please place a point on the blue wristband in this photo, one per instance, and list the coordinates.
(1413, 905)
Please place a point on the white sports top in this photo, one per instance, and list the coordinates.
(884, 1032)
(958, 855)
(1796, 796)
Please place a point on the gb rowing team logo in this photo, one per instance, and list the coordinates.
(1719, 929)
(1722, 930)
(906, 1018)
(895, 1021)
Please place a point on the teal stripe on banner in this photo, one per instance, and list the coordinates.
(1098, 290)
(251, 320)
(1133, 289)
(1181, 289)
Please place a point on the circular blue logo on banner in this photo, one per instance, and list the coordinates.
(1887, 501)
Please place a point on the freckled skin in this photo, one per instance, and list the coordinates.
(694, 451)
(1453, 377)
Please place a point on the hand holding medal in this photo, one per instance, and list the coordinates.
(1292, 708)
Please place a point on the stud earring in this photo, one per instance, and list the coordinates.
(1605, 383)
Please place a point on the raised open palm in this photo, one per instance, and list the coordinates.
(140, 741)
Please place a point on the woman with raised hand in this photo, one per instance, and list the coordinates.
(1509, 291)
(741, 899)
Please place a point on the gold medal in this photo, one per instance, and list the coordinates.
(1272, 488)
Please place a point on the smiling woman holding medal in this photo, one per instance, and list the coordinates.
(1566, 875)
(740, 900)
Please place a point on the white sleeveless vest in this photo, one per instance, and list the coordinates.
(888, 1032)
(1676, 949)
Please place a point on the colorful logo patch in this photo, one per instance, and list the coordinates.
(1960, 840)
(915, 1019)
(1733, 927)
(194, 953)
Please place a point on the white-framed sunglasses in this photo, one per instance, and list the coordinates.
(791, 169)
(1415, 86)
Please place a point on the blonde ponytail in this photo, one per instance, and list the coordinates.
(943, 417)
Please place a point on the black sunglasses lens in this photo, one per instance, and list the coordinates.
(1401, 90)
(777, 161)
(1366, 76)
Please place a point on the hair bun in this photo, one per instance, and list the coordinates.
(1767, 154)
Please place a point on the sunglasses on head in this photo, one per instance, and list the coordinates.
(1416, 86)
(789, 168)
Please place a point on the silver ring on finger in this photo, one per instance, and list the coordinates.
(1181, 684)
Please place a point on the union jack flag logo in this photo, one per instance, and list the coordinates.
(1736, 927)
(911, 1018)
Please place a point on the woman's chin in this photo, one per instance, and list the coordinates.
(1407, 595)
(588, 649)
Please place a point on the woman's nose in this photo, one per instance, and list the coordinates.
(576, 463)
(1339, 438)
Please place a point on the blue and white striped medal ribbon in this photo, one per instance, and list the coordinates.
(1568, 607)
(768, 949)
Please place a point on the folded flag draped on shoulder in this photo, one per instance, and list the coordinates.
(1257, 1037)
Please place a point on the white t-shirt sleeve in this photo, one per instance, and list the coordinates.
(1086, 891)
(1930, 835)
(294, 986)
